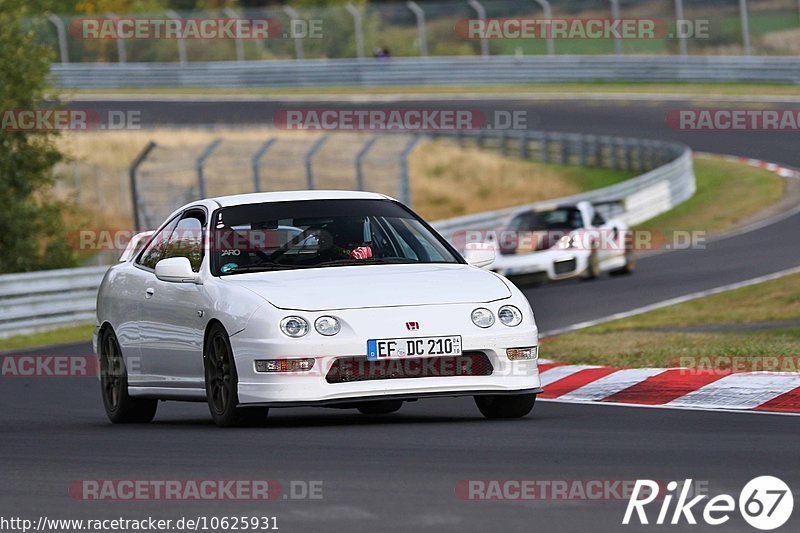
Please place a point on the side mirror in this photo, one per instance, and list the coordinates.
(176, 270)
(480, 257)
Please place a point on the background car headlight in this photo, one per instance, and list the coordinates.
(294, 326)
(509, 315)
(327, 325)
(482, 317)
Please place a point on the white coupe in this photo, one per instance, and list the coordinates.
(313, 298)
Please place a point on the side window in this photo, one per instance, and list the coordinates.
(155, 248)
(187, 239)
(598, 220)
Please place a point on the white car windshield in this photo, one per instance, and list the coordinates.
(320, 233)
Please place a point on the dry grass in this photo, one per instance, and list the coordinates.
(446, 180)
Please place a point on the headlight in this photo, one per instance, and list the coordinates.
(294, 326)
(482, 317)
(509, 315)
(567, 241)
(327, 325)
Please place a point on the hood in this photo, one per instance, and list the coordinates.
(323, 289)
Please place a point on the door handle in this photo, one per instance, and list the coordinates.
(149, 293)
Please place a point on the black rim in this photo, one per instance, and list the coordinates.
(113, 372)
(220, 378)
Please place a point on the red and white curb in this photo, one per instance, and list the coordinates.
(784, 172)
(676, 388)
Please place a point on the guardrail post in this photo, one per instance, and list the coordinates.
(181, 43)
(481, 12)
(362, 153)
(200, 164)
(564, 150)
(679, 27)
(121, 54)
(745, 26)
(628, 154)
(640, 155)
(256, 163)
(548, 14)
(420, 14)
(546, 148)
(405, 183)
(479, 136)
(523, 145)
(298, 40)
(597, 148)
(504, 142)
(615, 16)
(582, 150)
(309, 160)
(61, 33)
(358, 28)
(231, 14)
(132, 176)
(613, 145)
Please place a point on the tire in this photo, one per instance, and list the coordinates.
(593, 267)
(505, 406)
(222, 384)
(383, 407)
(121, 408)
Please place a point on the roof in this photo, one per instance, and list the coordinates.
(288, 196)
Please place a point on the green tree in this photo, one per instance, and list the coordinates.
(32, 235)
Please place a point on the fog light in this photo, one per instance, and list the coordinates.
(517, 354)
(294, 326)
(284, 365)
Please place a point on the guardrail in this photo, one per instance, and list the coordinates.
(460, 70)
(668, 177)
(42, 300)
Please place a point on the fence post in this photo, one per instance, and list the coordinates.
(360, 160)
(745, 26)
(679, 26)
(405, 185)
(256, 163)
(62, 37)
(231, 14)
(545, 147)
(200, 163)
(132, 173)
(615, 16)
(523, 145)
(504, 142)
(565, 150)
(309, 159)
(359, 28)
(181, 43)
(548, 14)
(122, 57)
(481, 12)
(298, 40)
(420, 14)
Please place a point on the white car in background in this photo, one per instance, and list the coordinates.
(327, 298)
(562, 242)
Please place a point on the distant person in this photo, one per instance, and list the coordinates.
(381, 53)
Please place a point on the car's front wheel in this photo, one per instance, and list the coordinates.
(505, 406)
(222, 384)
(121, 408)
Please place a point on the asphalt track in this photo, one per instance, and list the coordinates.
(398, 473)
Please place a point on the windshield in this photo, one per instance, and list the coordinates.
(565, 218)
(320, 233)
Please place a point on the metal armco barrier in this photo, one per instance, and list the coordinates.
(462, 70)
(49, 299)
(44, 300)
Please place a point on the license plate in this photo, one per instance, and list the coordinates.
(413, 347)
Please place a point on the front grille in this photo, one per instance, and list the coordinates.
(348, 369)
(562, 267)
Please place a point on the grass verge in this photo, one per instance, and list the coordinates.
(81, 333)
(751, 324)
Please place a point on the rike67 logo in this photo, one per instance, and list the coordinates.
(765, 503)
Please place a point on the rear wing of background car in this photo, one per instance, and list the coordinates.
(135, 245)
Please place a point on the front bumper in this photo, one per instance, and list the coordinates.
(554, 264)
(312, 388)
